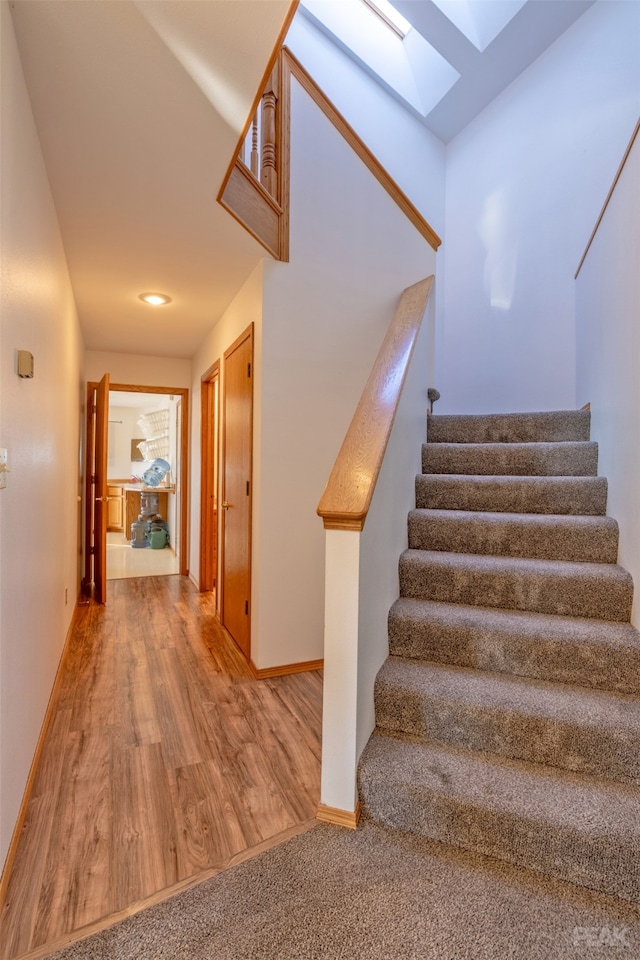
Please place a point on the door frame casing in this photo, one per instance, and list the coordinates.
(183, 392)
(209, 479)
(100, 421)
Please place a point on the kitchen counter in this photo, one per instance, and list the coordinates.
(140, 487)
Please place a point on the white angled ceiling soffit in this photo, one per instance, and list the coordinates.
(456, 55)
(480, 20)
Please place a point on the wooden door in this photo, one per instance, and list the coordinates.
(209, 480)
(100, 496)
(236, 487)
(177, 479)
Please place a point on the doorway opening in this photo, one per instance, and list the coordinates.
(140, 424)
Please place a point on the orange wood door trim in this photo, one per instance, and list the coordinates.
(209, 444)
(100, 510)
(90, 442)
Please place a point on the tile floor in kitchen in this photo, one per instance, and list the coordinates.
(123, 560)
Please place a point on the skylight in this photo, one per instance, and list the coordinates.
(406, 65)
(389, 15)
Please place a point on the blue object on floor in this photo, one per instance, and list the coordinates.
(139, 533)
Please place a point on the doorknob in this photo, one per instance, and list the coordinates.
(226, 504)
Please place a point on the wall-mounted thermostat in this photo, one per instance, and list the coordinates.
(25, 363)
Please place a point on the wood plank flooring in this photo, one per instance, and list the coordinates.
(164, 758)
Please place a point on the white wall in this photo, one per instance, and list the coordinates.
(525, 182)
(122, 430)
(40, 427)
(325, 315)
(406, 149)
(138, 370)
(412, 155)
(608, 350)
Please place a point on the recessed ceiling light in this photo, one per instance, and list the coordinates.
(155, 299)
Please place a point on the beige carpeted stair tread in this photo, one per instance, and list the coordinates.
(508, 714)
(588, 539)
(563, 824)
(556, 426)
(577, 650)
(590, 731)
(546, 495)
(600, 590)
(576, 459)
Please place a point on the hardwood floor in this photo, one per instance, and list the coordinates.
(164, 758)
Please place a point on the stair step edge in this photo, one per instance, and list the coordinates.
(561, 824)
(520, 565)
(578, 589)
(557, 424)
(600, 654)
(584, 795)
(541, 536)
(545, 699)
(579, 458)
(547, 495)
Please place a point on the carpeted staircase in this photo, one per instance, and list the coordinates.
(508, 712)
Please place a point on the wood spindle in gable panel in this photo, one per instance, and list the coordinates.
(255, 156)
(269, 173)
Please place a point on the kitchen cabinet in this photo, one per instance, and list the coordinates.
(115, 508)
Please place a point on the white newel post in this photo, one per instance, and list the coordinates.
(340, 706)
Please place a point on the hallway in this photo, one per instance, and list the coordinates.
(163, 759)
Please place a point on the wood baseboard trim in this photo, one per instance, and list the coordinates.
(285, 669)
(340, 818)
(81, 601)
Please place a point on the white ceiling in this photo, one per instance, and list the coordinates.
(139, 105)
(136, 150)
